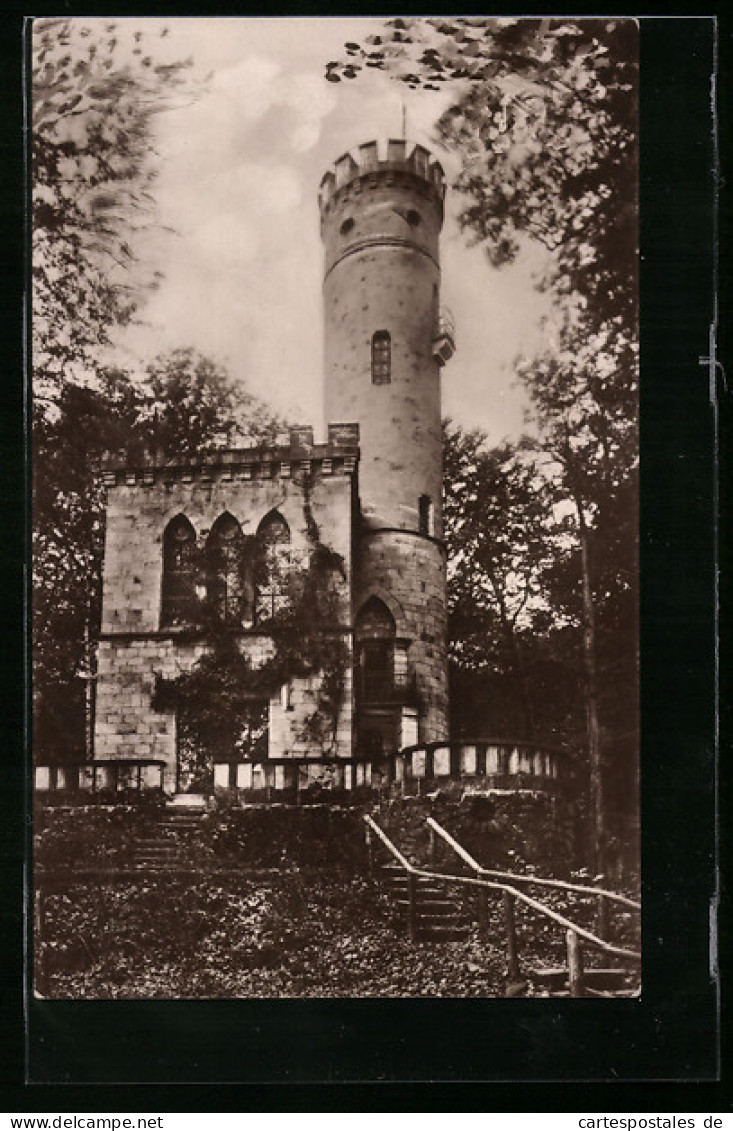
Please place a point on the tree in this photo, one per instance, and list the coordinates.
(583, 399)
(542, 114)
(498, 521)
(96, 92)
(182, 404)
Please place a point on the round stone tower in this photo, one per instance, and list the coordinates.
(385, 342)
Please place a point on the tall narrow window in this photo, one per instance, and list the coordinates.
(374, 633)
(427, 521)
(381, 358)
(178, 597)
(225, 566)
(273, 535)
(253, 739)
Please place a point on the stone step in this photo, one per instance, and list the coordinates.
(599, 978)
(187, 803)
(396, 883)
(436, 932)
(437, 906)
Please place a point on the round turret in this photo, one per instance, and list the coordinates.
(385, 344)
(381, 216)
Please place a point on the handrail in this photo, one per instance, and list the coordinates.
(388, 844)
(472, 881)
(523, 898)
(584, 889)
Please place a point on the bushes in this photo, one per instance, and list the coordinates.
(508, 831)
(92, 836)
(290, 935)
(320, 836)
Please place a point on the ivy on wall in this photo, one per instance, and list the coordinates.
(214, 700)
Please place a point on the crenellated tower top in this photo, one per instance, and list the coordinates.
(396, 161)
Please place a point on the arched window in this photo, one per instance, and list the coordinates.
(273, 535)
(225, 570)
(374, 635)
(178, 596)
(381, 358)
(427, 519)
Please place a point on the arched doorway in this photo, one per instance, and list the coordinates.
(374, 680)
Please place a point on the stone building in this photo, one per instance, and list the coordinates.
(227, 531)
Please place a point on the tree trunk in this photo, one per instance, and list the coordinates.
(525, 698)
(516, 663)
(591, 684)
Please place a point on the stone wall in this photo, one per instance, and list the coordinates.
(127, 726)
(509, 830)
(134, 650)
(140, 505)
(407, 572)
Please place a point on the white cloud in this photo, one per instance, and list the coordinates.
(224, 240)
(264, 187)
(251, 86)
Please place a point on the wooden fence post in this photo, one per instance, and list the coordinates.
(412, 929)
(433, 847)
(512, 964)
(602, 918)
(39, 931)
(369, 850)
(483, 913)
(575, 965)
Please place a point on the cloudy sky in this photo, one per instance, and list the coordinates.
(242, 262)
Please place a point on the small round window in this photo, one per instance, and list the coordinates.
(347, 225)
(413, 218)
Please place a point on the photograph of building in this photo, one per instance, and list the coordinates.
(408, 610)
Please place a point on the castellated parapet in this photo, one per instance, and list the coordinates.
(403, 162)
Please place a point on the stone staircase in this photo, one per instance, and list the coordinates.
(167, 847)
(616, 981)
(439, 916)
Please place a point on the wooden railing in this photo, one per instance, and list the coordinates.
(603, 896)
(510, 896)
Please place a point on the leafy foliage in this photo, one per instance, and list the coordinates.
(303, 931)
(89, 836)
(215, 697)
(182, 404)
(501, 538)
(542, 115)
(96, 93)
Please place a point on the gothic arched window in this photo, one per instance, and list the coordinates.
(226, 590)
(374, 636)
(273, 536)
(178, 597)
(381, 358)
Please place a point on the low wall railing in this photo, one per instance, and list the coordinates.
(488, 763)
(414, 769)
(100, 776)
